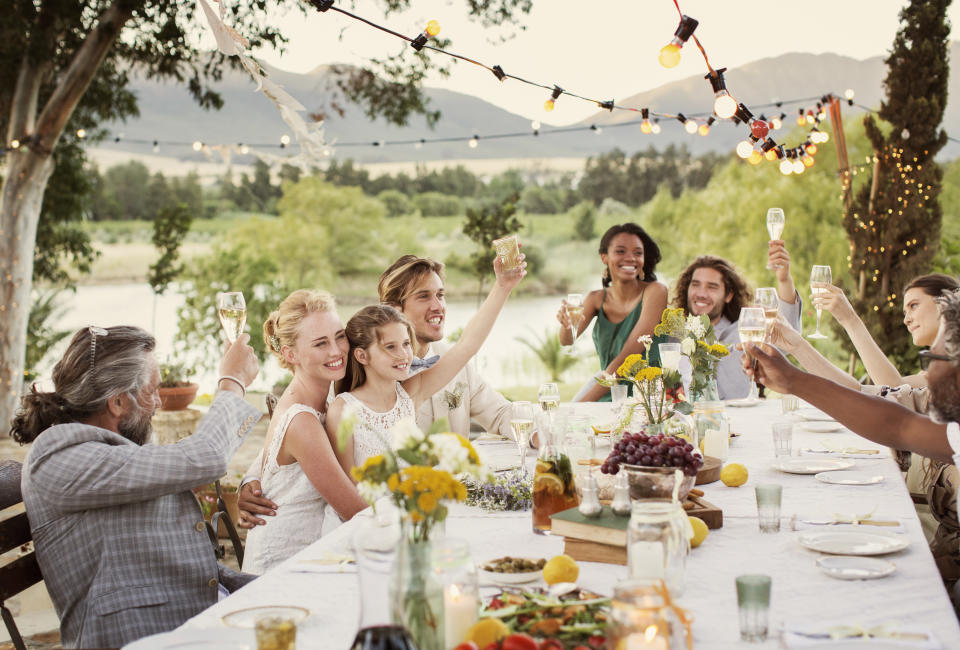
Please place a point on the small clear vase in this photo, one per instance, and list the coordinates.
(704, 391)
(416, 593)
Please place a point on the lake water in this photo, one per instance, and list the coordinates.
(503, 360)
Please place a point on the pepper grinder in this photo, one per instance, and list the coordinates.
(621, 496)
(590, 497)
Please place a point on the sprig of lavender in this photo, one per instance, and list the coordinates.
(508, 492)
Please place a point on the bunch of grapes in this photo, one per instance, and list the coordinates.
(653, 451)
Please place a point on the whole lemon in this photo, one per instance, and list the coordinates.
(560, 568)
(734, 475)
(487, 631)
(700, 531)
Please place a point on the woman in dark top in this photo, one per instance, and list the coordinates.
(629, 305)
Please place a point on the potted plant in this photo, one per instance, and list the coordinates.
(177, 392)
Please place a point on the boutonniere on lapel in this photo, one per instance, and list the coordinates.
(454, 398)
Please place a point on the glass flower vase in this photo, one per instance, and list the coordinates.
(704, 390)
(416, 593)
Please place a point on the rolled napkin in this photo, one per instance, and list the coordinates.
(326, 563)
(847, 521)
(819, 633)
(831, 448)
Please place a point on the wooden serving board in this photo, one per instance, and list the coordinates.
(711, 515)
(710, 471)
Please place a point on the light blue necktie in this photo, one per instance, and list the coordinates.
(423, 364)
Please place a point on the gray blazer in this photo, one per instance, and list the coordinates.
(118, 534)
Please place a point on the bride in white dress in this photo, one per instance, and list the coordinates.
(299, 471)
(378, 383)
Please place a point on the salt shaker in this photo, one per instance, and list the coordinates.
(590, 497)
(621, 496)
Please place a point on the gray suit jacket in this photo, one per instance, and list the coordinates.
(118, 534)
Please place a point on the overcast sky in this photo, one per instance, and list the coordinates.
(604, 48)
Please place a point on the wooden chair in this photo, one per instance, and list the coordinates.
(23, 572)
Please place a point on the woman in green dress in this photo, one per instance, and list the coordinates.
(628, 306)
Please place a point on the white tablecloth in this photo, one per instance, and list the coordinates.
(914, 593)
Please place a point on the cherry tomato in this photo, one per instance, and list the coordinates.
(493, 646)
(467, 645)
(551, 644)
(597, 641)
(519, 642)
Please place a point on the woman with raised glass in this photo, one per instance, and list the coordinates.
(627, 307)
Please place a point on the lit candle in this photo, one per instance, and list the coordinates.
(459, 615)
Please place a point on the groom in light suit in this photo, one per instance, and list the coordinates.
(120, 538)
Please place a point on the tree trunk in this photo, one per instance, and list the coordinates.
(20, 201)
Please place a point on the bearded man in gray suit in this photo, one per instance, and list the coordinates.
(119, 536)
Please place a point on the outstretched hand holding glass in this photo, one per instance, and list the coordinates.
(821, 275)
(232, 311)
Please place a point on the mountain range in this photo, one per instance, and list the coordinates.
(168, 114)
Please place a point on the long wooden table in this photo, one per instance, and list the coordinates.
(914, 593)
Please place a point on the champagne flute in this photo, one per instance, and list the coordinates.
(766, 298)
(775, 219)
(752, 326)
(574, 306)
(820, 273)
(521, 421)
(232, 310)
(549, 396)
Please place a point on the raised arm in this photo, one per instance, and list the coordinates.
(654, 302)
(878, 366)
(591, 305)
(779, 258)
(422, 385)
(874, 418)
(306, 440)
(783, 336)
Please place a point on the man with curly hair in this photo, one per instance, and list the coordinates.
(710, 285)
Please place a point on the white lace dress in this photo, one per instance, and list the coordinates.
(300, 517)
(372, 433)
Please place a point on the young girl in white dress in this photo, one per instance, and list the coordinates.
(378, 381)
(299, 471)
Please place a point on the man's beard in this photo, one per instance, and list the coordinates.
(945, 400)
(136, 425)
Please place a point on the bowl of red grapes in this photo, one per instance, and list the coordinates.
(650, 462)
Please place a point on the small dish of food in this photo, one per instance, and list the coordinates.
(512, 570)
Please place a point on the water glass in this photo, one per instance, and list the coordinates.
(753, 599)
(789, 404)
(782, 438)
(618, 395)
(670, 356)
(768, 507)
(275, 633)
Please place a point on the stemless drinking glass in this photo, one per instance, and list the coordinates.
(521, 421)
(766, 298)
(670, 356)
(752, 326)
(775, 219)
(769, 496)
(753, 599)
(822, 274)
(549, 396)
(232, 310)
(782, 438)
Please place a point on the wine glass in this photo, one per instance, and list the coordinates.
(775, 219)
(820, 273)
(232, 310)
(752, 326)
(574, 306)
(766, 298)
(521, 421)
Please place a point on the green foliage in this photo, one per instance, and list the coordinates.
(396, 203)
(504, 187)
(42, 335)
(948, 257)
(485, 224)
(584, 218)
(554, 357)
(169, 229)
(174, 373)
(895, 231)
(542, 200)
(434, 204)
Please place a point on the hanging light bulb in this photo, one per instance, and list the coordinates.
(284, 140)
(777, 122)
(645, 126)
(551, 103)
(419, 145)
(81, 133)
(156, 147)
(811, 148)
(801, 118)
(824, 136)
(670, 53)
(474, 142)
(798, 166)
(656, 126)
(690, 126)
(810, 118)
(769, 148)
(535, 125)
(849, 94)
(197, 145)
(244, 149)
(786, 167)
(755, 157)
(759, 129)
(705, 128)
(904, 135)
(808, 160)
(433, 28)
(724, 105)
(14, 144)
(596, 129)
(745, 149)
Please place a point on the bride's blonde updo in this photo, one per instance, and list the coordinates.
(283, 325)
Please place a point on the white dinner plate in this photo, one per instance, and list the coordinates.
(852, 542)
(801, 465)
(811, 414)
(224, 638)
(822, 427)
(846, 567)
(849, 477)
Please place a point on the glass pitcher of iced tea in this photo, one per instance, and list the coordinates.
(553, 481)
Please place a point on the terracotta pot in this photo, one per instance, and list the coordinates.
(177, 398)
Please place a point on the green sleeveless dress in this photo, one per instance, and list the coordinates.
(609, 338)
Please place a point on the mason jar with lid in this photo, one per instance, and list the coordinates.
(707, 415)
(658, 543)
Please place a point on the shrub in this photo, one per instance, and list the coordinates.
(396, 202)
(584, 217)
(435, 204)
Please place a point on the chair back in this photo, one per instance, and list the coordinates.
(22, 572)
(271, 403)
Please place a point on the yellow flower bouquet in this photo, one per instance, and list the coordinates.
(698, 342)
